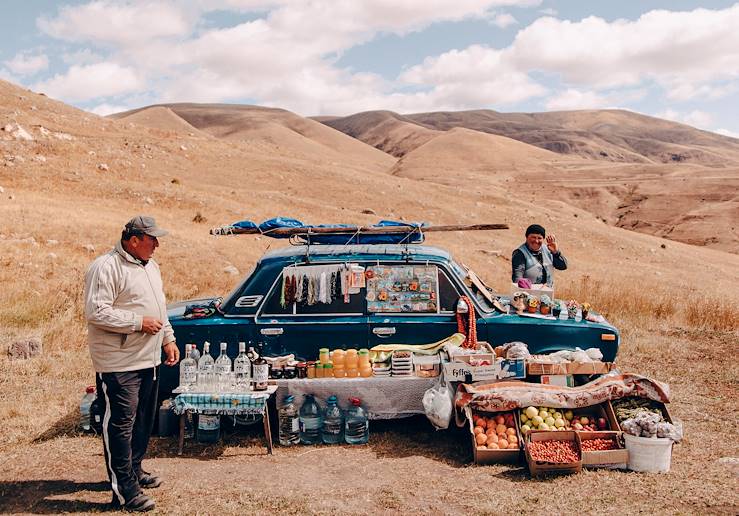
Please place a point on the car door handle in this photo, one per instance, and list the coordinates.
(384, 331)
(271, 331)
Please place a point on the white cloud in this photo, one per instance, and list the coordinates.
(26, 64)
(88, 82)
(695, 118)
(82, 57)
(693, 47)
(503, 20)
(106, 109)
(576, 99)
(726, 132)
(118, 23)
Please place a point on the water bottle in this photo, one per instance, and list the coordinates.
(310, 421)
(289, 422)
(209, 428)
(356, 429)
(333, 422)
(85, 404)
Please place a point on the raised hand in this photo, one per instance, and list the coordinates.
(552, 244)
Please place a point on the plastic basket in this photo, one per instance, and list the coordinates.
(649, 455)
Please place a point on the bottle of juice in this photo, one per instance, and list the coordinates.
(365, 367)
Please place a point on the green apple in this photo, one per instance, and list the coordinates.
(559, 422)
(557, 415)
(543, 426)
(537, 420)
(569, 415)
(525, 429)
(524, 418)
(549, 421)
(531, 412)
(543, 414)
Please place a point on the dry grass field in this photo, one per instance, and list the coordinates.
(675, 304)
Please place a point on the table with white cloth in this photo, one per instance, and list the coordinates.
(382, 397)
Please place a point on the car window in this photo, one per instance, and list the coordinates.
(403, 288)
(448, 294)
(331, 302)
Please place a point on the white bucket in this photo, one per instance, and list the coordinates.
(651, 455)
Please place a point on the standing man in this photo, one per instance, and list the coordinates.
(535, 262)
(127, 331)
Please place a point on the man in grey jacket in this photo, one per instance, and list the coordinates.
(128, 330)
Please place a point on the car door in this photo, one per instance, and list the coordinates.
(303, 329)
(418, 305)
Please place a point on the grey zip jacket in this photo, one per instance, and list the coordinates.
(119, 291)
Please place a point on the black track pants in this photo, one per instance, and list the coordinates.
(130, 406)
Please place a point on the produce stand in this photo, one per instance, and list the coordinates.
(224, 403)
(383, 398)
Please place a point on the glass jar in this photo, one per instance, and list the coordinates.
(310, 369)
(328, 370)
(319, 370)
(302, 370)
(323, 355)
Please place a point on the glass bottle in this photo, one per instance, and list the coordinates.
(188, 369)
(289, 422)
(242, 369)
(206, 366)
(223, 369)
(261, 373)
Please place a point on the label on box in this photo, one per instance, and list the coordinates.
(563, 380)
(457, 371)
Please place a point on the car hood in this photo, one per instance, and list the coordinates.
(177, 310)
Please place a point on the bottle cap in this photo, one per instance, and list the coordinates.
(332, 399)
(289, 398)
(355, 401)
(323, 350)
(90, 389)
(328, 366)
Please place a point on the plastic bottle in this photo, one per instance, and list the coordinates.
(289, 422)
(333, 422)
(85, 404)
(209, 428)
(311, 421)
(356, 429)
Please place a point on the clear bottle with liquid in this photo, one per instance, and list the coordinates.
(289, 422)
(194, 353)
(188, 369)
(242, 369)
(85, 405)
(333, 422)
(311, 421)
(206, 368)
(356, 428)
(223, 369)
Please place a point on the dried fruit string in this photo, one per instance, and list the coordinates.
(469, 327)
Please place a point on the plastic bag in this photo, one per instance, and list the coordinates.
(438, 404)
(516, 350)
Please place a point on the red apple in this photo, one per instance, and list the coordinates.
(602, 424)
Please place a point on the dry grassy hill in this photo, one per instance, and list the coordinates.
(384, 130)
(71, 179)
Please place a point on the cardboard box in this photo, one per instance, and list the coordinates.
(588, 367)
(603, 410)
(485, 456)
(618, 458)
(564, 380)
(535, 368)
(537, 468)
(500, 368)
(536, 292)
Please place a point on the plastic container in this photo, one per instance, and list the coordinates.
(85, 405)
(351, 359)
(209, 428)
(289, 422)
(649, 455)
(338, 357)
(356, 428)
(333, 422)
(311, 421)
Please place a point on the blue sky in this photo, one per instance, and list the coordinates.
(677, 60)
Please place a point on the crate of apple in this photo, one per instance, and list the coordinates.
(495, 432)
(544, 418)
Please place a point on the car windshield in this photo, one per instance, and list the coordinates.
(476, 284)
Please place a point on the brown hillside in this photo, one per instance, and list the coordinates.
(385, 130)
(159, 117)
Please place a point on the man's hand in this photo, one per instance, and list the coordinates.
(151, 325)
(172, 353)
(552, 244)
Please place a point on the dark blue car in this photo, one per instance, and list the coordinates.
(410, 296)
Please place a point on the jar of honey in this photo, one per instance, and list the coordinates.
(319, 370)
(351, 359)
(310, 369)
(323, 355)
(338, 357)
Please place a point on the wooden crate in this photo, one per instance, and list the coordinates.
(538, 468)
(608, 458)
(485, 456)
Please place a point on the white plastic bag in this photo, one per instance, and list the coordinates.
(438, 403)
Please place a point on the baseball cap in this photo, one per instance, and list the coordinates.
(146, 225)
